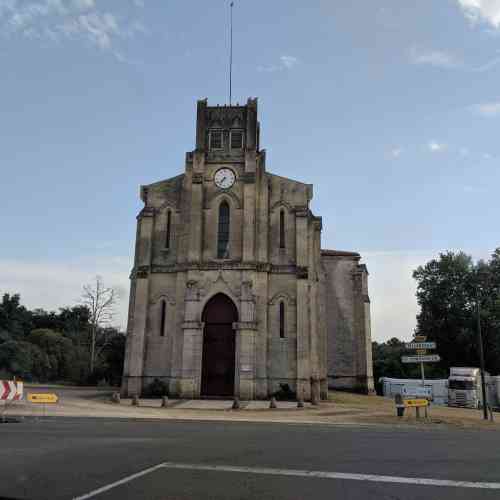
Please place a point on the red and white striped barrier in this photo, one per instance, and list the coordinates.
(11, 391)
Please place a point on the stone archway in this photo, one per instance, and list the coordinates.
(219, 347)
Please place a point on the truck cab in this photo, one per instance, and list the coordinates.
(464, 387)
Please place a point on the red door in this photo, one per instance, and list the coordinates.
(218, 362)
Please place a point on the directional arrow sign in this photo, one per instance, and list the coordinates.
(45, 397)
(415, 403)
(421, 345)
(431, 358)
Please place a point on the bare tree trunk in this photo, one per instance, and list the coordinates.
(100, 302)
(92, 348)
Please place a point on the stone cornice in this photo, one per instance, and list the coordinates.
(144, 271)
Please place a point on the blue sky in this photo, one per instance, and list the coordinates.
(390, 108)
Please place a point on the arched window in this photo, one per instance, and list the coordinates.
(163, 317)
(223, 232)
(282, 320)
(169, 229)
(282, 229)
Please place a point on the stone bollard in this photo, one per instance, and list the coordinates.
(400, 407)
(300, 403)
(272, 404)
(164, 401)
(115, 397)
(135, 400)
(315, 393)
(236, 404)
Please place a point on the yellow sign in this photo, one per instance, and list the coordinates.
(45, 397)
(421, 352)
(415, 403)
(420, 338)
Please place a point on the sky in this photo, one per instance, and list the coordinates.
(390, 108)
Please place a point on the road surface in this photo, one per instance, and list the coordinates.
(120, 459)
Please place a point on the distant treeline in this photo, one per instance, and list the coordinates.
(45, 346)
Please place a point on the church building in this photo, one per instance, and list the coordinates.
(231, 293)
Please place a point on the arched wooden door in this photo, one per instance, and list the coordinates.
(218, 361)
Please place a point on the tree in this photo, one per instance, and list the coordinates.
(23, 360)
(15, 319)
(447, 292)
(59, 350)
(100, 302)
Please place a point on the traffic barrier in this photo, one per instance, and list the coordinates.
(11, 390)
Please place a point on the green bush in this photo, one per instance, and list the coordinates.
(155, 389)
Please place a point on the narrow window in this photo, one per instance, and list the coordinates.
(169, 227)
(282, 229)
(236, 139)
(163, 314)
(282, 320)
(223, 233)
(216, 139)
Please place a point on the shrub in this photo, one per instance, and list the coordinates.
(156, 389)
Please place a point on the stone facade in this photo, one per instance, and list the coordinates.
(303, 317)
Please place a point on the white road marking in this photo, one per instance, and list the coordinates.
(298, 473)
(118, 483)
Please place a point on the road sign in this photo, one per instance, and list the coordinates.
(417, 392)
(420, 338)
(415, 403)
(420, 345)
(430, 358)
(10, 390)
(43, 398)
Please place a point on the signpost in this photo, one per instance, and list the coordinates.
(417, 392)
(422, 394)
(419, 358)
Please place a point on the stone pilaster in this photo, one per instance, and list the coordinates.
(303, 305)
(249, 208)
(196, 215)
(192, 343)
(246, 336)
(136, 331)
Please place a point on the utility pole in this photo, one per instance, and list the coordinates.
(481, 354)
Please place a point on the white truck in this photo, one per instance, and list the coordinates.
(464, 387)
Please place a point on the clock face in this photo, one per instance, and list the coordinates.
(224, 178)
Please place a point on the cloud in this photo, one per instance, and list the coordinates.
(436, 147)
(51, 285)
(84, 4)
(285, 63)
(485, 11)
(289, 61)
(57, 20)
(396, 152)
(436, 58)
(487, 109)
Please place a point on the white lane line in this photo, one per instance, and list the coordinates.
(336, 475)
(298, 473)
(118, 483)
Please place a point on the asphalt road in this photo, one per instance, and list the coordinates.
(70, 458)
